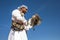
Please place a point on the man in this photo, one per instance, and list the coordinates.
(18, 17)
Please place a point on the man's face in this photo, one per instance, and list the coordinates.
(24, 10)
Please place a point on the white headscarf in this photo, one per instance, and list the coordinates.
(23, 6)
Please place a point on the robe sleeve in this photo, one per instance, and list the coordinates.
(28, 25)
(16, 13)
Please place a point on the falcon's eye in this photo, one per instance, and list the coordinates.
(36, 20)
(26, 9)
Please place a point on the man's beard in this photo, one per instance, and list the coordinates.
(24, 12)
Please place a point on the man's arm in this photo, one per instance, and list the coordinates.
(17, 21)
(28, 26)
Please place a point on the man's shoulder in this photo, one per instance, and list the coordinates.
(15, 10)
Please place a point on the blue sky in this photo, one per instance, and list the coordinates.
(49, 10)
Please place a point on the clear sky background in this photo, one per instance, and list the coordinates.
(49, 10)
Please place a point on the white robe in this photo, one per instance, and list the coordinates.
(18, 35)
